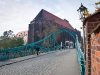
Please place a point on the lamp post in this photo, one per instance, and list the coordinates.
(82, 11)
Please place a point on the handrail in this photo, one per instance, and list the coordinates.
(81, 58)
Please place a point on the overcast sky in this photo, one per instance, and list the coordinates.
(16, 15)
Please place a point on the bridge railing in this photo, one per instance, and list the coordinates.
(53, 45)
(24, 51)
(29, 49)
(81, 58)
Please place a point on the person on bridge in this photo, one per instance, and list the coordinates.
(37, 50)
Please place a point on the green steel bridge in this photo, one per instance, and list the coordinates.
(29, 49)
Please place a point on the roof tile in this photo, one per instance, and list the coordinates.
(57, 20)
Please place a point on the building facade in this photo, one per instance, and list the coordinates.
(46, 23)
(24, 35)
(92, 40)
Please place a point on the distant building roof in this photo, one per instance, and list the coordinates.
(22, 33)
(58, 20)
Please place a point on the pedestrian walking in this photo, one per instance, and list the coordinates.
(37, 50)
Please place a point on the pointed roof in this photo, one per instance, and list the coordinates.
(56, 19)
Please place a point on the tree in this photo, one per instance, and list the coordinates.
(9, 41)
(7, 34)
(97, 6)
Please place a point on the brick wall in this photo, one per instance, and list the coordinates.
(95, 52)
(89, 28)
(90, 23)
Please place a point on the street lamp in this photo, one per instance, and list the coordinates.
(82, 11)
(82, 15)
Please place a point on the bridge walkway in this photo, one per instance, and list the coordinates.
(60, 62)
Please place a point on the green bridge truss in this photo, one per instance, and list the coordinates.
(29, 49)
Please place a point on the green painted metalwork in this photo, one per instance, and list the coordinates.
(52, 45)
(81, 58)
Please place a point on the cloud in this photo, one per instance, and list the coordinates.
(43, 0)
(2, 2)
(16, 16)
(17, 0)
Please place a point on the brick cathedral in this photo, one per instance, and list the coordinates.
(46, 23)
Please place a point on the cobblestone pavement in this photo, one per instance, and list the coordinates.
(40, 65)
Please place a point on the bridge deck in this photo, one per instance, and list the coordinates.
(63, 62)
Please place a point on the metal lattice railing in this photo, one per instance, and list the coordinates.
(53, 45)
(81, 58)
